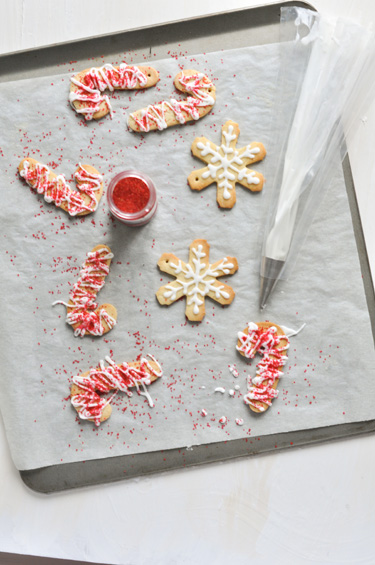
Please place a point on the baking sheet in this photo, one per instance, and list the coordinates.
(39, 422)
(236, 32)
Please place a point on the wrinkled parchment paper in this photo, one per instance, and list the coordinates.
(329, 377)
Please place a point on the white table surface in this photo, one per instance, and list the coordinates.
(305, 505)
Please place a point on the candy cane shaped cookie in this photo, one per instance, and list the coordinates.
(85, 390)
(83, 313)
(87, 86)
(56, 189)
(270, 341)
(173, 112)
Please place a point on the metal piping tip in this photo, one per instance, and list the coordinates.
(266, 287)
(271, 270)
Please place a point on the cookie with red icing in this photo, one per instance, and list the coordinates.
(83, 312)
(87, 87)
(270, 341)
(88, 390)
(56, 189)
(172, 112)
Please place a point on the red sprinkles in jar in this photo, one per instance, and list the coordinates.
(132, 198)
(131, 195)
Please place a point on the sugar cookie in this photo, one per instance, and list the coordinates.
(56, 189)
(87, 86)
(83, 313)
(196, 279)
(85, 390)
(173, 112)
(227, 165)
(270, 341)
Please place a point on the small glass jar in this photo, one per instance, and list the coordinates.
(132, 198)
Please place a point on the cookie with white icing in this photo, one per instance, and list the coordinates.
(227, 165)
(196, 279)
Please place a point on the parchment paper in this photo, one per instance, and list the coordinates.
(329, 377)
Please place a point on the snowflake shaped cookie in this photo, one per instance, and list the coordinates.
(196, 279)
(227, 165)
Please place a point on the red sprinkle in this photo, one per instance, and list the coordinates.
(131, 195)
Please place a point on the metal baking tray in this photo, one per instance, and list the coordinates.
(236, 29)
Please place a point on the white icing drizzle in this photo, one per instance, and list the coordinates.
(290, 333)
(220, 389)
(233, 370)
(225, 162)
(223, 420)
(145, 393)
(239, 421)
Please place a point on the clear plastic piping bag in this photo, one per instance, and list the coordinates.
(326, 81)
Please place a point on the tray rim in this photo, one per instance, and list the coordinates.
(50, 46)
